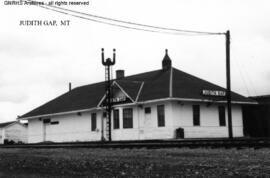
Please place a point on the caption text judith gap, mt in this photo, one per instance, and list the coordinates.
(44, 23)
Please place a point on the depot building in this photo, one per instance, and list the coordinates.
(162, 104)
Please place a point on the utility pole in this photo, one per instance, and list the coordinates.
(228, 74)
(108, 101)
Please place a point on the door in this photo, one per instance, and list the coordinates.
(147, 125)
(46, 125)
(104, 128)
(45, 131)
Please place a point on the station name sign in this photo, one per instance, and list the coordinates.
(119, 99)
(116, 100)
(213, 93)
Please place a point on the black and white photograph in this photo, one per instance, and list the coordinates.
(153, 88)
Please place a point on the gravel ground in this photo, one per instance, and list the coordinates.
(182, 162)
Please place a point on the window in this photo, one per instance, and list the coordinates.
(161, 115)
(221, 113)
(196, 115)
(93, 121)
(147, 110)
(127, 118)
(46, 121)
(116, 119)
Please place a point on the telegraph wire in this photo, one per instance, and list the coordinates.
(251, 84)
(249, 78)
(137, 24)
(242, 77)
(117, 25)
(247, 81)
(124, 24)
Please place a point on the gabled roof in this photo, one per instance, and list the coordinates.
(4, 124)
(159, 84)
(132, 88)
(127, 90)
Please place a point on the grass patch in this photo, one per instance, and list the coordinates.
(85, 162)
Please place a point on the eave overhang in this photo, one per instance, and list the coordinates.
(141, 103)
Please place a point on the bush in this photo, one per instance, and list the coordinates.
(8, 142)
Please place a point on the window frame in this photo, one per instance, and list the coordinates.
(127, 121)
(116, 120)
(93, 122)
(222, 116)
(161, 116)
(47, 121)
(147, 110)
(196, 115)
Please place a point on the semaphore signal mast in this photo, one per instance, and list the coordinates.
(108, 101)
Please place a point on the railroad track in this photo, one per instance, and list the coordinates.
(175, 143)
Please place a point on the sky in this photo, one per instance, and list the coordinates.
(38, 62)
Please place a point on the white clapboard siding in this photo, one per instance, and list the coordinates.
(15, 132)
(74, 127)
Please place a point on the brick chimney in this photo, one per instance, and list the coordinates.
(120, 74)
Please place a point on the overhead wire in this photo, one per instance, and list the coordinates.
(250, 80)
(123, 24)
(242, 76)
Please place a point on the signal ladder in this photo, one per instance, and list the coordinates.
(108, 104)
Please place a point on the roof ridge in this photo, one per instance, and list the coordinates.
(89, 85)
(122, 79)
(142, 73)
(139, 92)
(171, 83)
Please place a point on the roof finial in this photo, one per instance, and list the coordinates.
(166, 62)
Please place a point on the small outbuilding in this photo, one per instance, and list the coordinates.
(13, 132)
